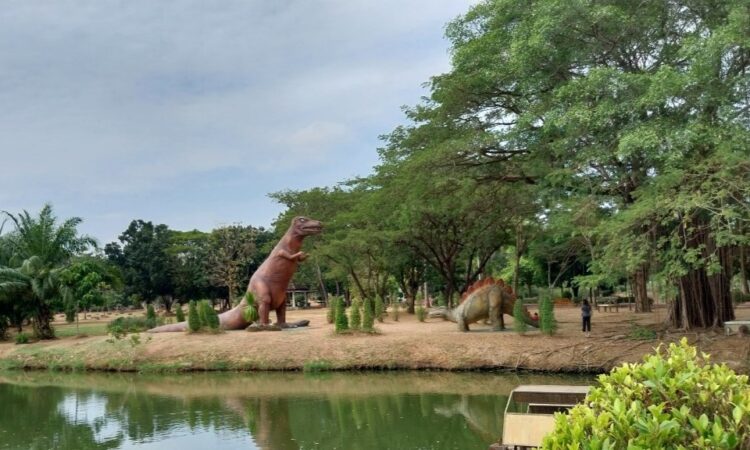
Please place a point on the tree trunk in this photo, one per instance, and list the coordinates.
(639, 282)
(42, 323)
(704, 299)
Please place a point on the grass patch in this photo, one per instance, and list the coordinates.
(90, 329)
(641, 333)
(317, 365)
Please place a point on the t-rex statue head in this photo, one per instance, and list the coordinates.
(304, 226)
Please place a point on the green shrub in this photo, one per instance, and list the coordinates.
(519, 316)
(70, 313)
(368, 319)
(641, 333)
(673, 399)
(421, 313)
(547, 321)
(251, 311)
(342, 323)
(395, 310)
(379, 309)
(150, 315)
(194, 320)
(22, 338)
(355, 315)
(209, 317)
(179, 313)
(567, 294)
(331, 312)
(125, 325)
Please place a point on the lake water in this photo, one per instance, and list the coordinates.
(270, 411)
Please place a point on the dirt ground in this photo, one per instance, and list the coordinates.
(406, 344)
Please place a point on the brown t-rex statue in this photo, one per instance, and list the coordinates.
(269, 283)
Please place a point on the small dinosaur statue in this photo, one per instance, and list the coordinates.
(268, 284)
(486, 299)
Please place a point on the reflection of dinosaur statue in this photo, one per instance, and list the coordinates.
(269, 283)
(485, 299)
(480, 412)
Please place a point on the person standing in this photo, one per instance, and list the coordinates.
(586, 317)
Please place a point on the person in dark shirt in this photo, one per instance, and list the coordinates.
(586, 317)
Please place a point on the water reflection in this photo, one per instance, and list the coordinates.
(256, 411)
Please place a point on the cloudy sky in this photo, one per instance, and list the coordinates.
(188, 112)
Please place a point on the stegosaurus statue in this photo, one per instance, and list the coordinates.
(487, 299)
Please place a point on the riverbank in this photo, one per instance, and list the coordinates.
(617, 337)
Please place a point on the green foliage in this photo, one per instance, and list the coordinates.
(126, 325)
(194, 320)
(673, 399)
(368, 316)
(342, 323)
(355, 315)
(567, 294)
(70, 313)
(22, 338)
(209, 317)
(150, 315)
(317, 365)
(395, 310)
(251, 312)
(331, 309)
(379, 309)
(519, 316)
(641, 333)
(547, 321)
(421, 313)
(179, 313)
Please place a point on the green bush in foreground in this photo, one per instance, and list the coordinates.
(194, 320)
(331, 312)
(22, 338)
(150, 315)
(674, 400)
(125, 325)
(251, 311)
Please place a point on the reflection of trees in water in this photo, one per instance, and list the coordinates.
(374, 422)
(383, 414)
(32, 419)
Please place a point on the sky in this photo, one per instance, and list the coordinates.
(188, 112)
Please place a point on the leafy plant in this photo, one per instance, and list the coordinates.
(251, 311)
(355, 315)
(150, 315)
(379, 309)
(208, 315)
(180, 315)
(641, 333)
(22, 338)
(395, 310)
(194, 320)
(421, 313)
(368, 318)
(547, 321)
(130, 325)
(331, 313)
(673, 399)
(519, 317)
(342, 323)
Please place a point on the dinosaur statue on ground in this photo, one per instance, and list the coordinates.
(268, 284)
(486, 299)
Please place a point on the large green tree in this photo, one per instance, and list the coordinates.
(35, 252)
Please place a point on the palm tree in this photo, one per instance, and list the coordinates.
(36, 252)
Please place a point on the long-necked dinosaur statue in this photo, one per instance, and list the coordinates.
(269, 283)
(486, 299)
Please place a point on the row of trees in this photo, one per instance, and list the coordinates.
(47, 266)
(603, 141)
